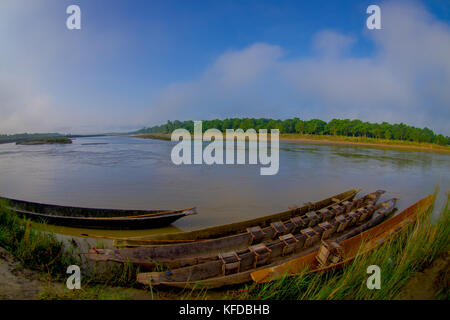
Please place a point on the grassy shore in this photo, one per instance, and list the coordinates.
(34, 249)
(156, 136)
(363, 141)
(338, 140)
(43, 253)
(400, 260)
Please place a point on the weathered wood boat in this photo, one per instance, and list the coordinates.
(96, 218)
(349, 249)
(236, 267)
(233, 228)
(184, 254)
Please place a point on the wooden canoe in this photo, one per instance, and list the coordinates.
(184, 254)
(96, 218)
(360, 244)
(220, 272)
(234, 228)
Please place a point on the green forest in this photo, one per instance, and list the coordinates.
(336, 127)
(20, 137)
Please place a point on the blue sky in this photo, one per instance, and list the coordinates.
(139, 63)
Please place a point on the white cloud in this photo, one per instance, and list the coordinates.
(406, 79)
(330, 43)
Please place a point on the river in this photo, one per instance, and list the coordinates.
(127, 172)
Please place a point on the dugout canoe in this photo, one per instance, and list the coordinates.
(184, 254)
(94, 217)
(233, 228)
(357, 245)
(236, 267)
(191, 253)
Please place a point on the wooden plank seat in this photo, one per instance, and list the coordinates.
(290, 243)
(326, 214)
(337, 209)
(256, 234)
(299, 222)
(311, 236)
(348, 206)
(328, 229)
(313, 218)
(231, 263)
(279, 228)
(261, 254)
(343, 222)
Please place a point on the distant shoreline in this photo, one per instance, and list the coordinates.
(39, 141)
(333, 140)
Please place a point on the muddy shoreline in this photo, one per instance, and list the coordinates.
(20, 283)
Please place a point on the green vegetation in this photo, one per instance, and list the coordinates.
(98, 292)
(4, 138)
(399, 260)
(43, 252)
(316, 127)
(49, 140)
(157, 136)
(366, 141)
(36, 250)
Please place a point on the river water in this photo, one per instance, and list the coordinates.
(134, 173)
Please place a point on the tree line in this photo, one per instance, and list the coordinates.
(5, 138)
(335, 127)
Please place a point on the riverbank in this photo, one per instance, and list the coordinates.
(361, 141)
(338, 140)
(414, 266)
(20, 283)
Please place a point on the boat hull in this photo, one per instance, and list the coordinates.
(234, 228)
(359, 244)
(206, 275)
(94, 218)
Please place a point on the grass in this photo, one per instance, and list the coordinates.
(96, 292)
(157, 136)
(43, 252)
(34, 249)
(365, 140)
(399, 259)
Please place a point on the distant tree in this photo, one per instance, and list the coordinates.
(342, 127)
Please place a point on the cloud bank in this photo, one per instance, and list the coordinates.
(407, 78)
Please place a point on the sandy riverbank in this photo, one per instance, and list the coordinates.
(335, 141)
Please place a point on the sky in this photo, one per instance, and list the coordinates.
(140, 63)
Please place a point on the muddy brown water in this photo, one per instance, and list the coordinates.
(134, 173)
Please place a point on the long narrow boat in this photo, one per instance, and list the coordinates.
(96, 218)
(185, 254)
(237, 227)
(236, 267)
(357, 245)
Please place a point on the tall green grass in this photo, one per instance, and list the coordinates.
(399, 259)
(36, 250)
(43, 252)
